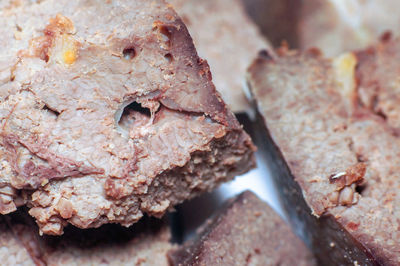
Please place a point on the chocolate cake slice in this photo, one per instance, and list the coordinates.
(229, 40)
(107, 113)
(331, 129)
(145, 243)
(246, 231)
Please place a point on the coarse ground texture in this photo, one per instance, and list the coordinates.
(246, 231)
(107, 113)
(336, 126)
(224, 35)
(146, 243)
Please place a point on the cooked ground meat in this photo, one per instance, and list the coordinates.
(229, 40)
(335, 125)
(145, 243)
(107, 113)
(246, 231)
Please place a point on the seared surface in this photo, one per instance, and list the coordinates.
(146, 243)
(69, 147)
(342, 152)
(228, 39)
(245, 232)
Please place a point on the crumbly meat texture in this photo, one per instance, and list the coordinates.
(245, 232)
(229, 40)
(340, 150)
(107, 113)
(146, 243)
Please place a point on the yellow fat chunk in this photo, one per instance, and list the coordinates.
(70, 57)
(69, 49)
(344, 67)
(65, 50)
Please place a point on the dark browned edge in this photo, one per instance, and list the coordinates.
(191, 251)
(330, 242)
(108, 234)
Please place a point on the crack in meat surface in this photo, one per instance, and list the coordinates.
(64, 153)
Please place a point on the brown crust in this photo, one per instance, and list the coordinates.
(69, 116)
(328, 239)
(181, 43)
(244, 231)
(339, 149)
(147, 241)
(226, 53)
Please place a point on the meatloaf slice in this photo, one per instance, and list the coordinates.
(246, 231)
(107, 113)
(145, 243)
(336, 149)
(229, 40)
